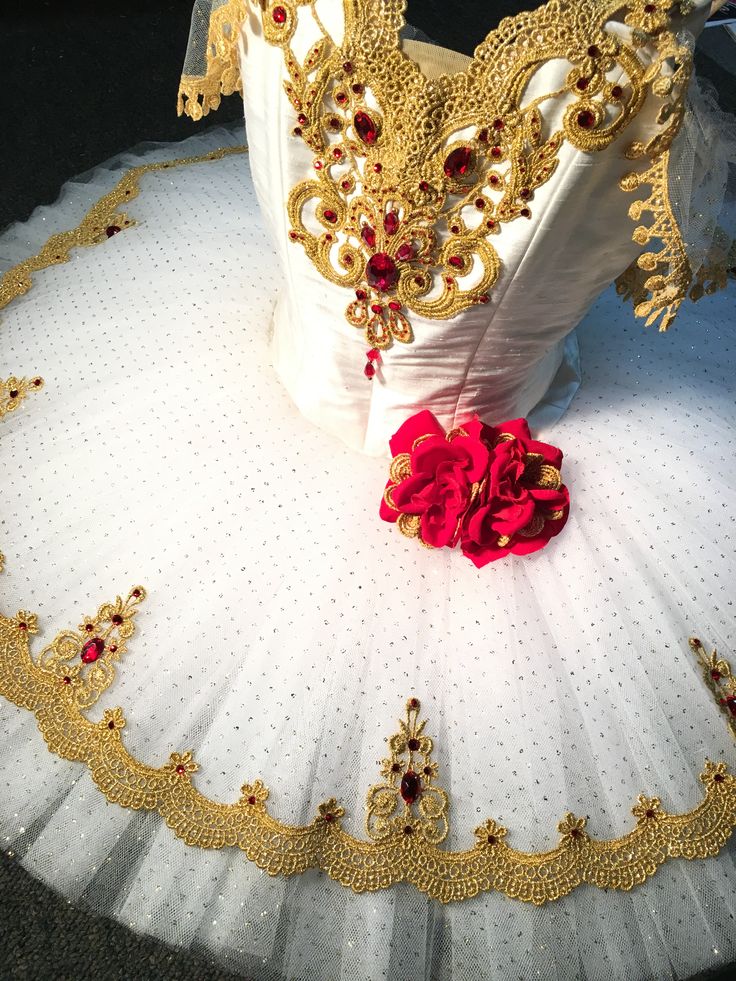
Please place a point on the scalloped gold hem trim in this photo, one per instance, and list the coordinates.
(406, 814)
(199, 94)
(102, 221)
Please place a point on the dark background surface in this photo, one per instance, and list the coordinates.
(82, 81)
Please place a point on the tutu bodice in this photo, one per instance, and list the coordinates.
(466, 218)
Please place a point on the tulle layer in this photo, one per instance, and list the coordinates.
(285, 625)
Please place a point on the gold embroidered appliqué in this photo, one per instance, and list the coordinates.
(14, 390)
(407, 814)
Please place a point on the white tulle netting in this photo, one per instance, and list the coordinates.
(285, 625)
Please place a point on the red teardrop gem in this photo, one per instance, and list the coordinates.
(368, 235)
(365, 127)
(731, 704)
(404, 253)
(411, 787)
(369, 371)
(457, 163)
(391, 223)
(92, 650)
(381, 272)
(279, 15)
(330, 216)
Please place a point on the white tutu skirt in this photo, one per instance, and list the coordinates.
(285, 626)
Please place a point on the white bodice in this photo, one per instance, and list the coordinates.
(498, 359)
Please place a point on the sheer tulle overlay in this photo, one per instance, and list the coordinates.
(285, 625)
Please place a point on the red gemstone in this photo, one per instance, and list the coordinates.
(22, 626)
(525, 192)
(413, 745)
(251, 800)
(37, 381)
(414, 703)
(360, 294)
(457, 163)
(368, 235)
(329, 818)
(330, 216)
(66, 679)
(92, 650)
(586, 119)
(617, 91)
(391, 223)
(455, 229)
(582, 84)
(484, 298)
(719, 778)
(715, 675)
(456, 261)
(374, 354)
(377, 168)
(396, 768)
(525, 213)
(112, 230)
(181, 770)
(302, 119)
(347, 67)
(116, 619)
(279, 15)
(357, 88)
(297, 131)
(112, 648)
(594, 51)
(483, 136)
(492, 839)
(337, 153)
(495, 151)
(89, 627)
(480, 203)
(348, 260)
(340, 97)
(110, 724)
(318, 165)
(334, 123)
(408, 830)
(369, 371)
(405, 252)
(419, 281)
(498, 124)
(650, 8)
(376, 308)
(423, 186)
(731, 704)
(365, 127)
(14, 393)
(345, 185)
(136, 592)
(411, 787)
(650, 813)
(381, 272)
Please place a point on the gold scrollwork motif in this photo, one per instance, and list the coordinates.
(102, 222)
(413, 176)
(402, 847)
(720, 679)
(14, 390)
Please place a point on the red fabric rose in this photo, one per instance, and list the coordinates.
(523, 503)
(434, 478)
(494, 489)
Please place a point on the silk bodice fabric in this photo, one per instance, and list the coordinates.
(496, 359)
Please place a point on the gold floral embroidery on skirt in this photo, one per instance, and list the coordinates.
(14, 390)
(407, 814)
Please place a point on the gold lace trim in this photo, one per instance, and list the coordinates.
(13, 391)
(198, 94)
(101, 222)
(406, 814)
(399, 182)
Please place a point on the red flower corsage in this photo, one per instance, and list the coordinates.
(493, 489)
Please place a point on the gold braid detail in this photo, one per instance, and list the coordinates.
(13, 391)
(406, 814)
(101, 222)
(409, 189)
(198, 94)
